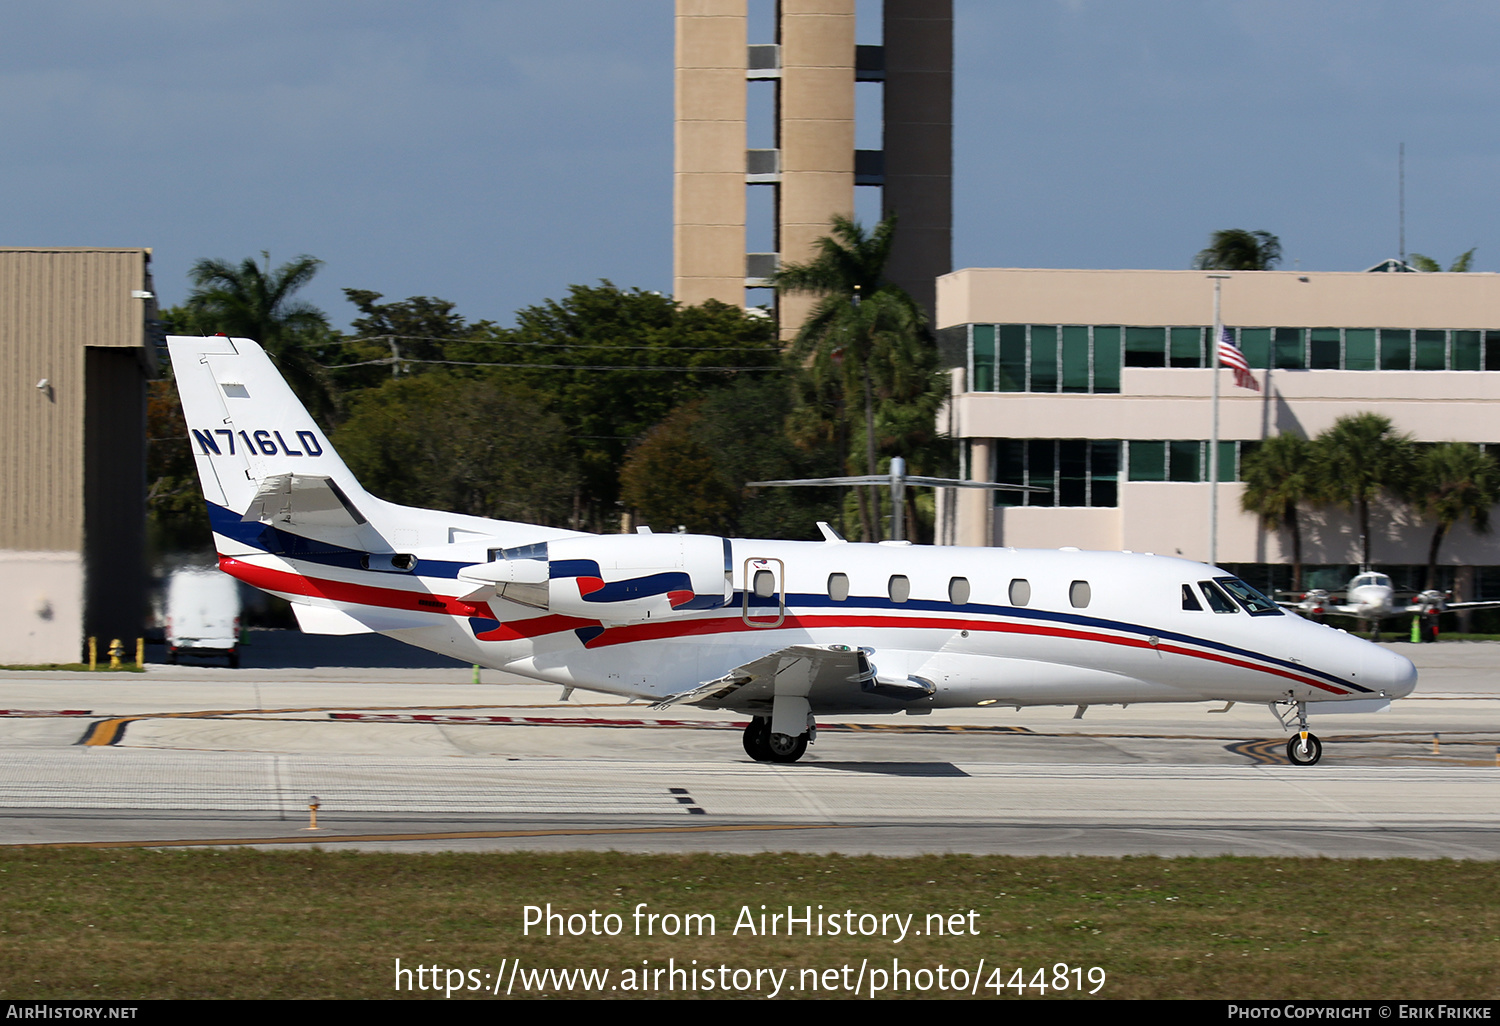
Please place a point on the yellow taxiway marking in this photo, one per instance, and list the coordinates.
(107, 731)
(433, 836)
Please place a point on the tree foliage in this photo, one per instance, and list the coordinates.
(465, 445)
(867, 335)
(1360, 458)
(691, 469)
(247, 301)
(1463, 263)
(1452, 482)
(1280, 477)
(613, 363)
(1235, 249)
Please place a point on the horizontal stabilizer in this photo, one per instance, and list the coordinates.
(326, 620)
(302, 500)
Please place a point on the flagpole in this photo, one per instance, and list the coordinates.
(1213, 444)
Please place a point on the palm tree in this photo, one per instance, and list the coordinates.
(1453, 482)
(864, 330)
(1360, 457)
(1279, 475)
(1462, 263)
(1234, 249)
(248, 302)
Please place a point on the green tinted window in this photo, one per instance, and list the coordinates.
(1323, 349)
(1395, 349)
(1432, 350)
(1075, 359)
(1227, 469)
(1011, 368)
(1043, 358)
(1255, 343)
(1104, 470)
(1492, 350)
(1184, 460)
(1148, 461)
(1289, 349)
(1010, 467)
(1072, 472)
(1041, 469)
(1466, 350)
(1359, 348)
(1145, 347)
(1186, 347)
(984, 358)
(1106, 359)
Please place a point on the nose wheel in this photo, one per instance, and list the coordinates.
(1304, 749)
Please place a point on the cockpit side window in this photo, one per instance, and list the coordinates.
(1217, 600)
(1189, 600)
(1254, 602)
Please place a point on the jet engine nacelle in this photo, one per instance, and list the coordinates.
(621, 578)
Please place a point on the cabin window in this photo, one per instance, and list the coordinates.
(1020, 592)
(765, 583)
(1217, 600)
(1189, 600)
(838, 587)
(958, 591)
(900, 588)
(1079, 594)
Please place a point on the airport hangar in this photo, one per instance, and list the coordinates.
(77, 344)
(1094, 383)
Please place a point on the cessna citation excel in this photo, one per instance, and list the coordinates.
(778, 631)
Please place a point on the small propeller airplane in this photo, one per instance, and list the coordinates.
(779, 631)
(1371, 598)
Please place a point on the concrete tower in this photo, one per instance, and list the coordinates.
(814, 166)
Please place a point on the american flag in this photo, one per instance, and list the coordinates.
(1231, 357)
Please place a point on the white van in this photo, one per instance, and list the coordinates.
(203, 614)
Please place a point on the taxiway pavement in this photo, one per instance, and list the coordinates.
(417, 756)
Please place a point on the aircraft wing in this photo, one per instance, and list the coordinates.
(828, 676)
(1450, 607)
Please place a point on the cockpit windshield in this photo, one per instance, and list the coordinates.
(1378, 580)
(1254, 602)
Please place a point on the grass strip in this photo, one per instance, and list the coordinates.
(243, 923)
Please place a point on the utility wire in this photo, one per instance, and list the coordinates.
(388, 361)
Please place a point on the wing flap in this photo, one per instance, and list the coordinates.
(829, 677)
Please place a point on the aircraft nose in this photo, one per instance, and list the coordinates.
(1395, 674)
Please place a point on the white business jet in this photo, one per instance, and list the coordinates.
(779, 631)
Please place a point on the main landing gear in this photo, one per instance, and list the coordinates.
(764, 746)
(1303, 748)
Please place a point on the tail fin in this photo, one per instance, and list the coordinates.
(260, 455)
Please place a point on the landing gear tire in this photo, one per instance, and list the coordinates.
(757, 738)
(785, 748)
(1298, 757)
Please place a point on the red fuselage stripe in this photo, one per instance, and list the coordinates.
(517, 630)
(343, 591)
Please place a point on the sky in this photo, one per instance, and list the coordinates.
(493, 152)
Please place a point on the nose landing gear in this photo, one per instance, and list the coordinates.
(1303, 748)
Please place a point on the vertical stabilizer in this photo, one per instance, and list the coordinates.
(245, 424)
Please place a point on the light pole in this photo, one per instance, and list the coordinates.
(1213, 443)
